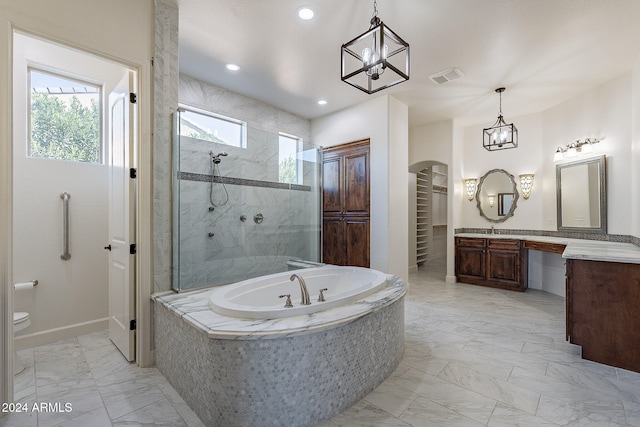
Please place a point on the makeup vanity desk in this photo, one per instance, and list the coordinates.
(602, 286)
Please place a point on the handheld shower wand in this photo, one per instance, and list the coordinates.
(215, 176)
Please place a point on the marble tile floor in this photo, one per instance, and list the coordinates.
(473, 356)
(103, 389)
(477, 356)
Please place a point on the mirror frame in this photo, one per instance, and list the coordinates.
(516, 196)
(602, 179)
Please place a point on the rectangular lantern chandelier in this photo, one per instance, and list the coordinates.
(376, 59)
(501, 135)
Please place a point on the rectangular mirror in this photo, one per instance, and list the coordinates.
(581, 192)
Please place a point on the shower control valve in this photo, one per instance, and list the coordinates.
(321, 296)
(287, 303)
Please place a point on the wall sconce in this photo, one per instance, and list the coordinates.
(526, 184)
(572, 150)
(470, 187)
(492, 199)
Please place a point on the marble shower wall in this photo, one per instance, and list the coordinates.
(238, 250)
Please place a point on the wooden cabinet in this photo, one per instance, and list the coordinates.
(603, 311)
(498, 263)
(346, 204)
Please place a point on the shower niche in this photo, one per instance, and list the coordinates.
(241, 211)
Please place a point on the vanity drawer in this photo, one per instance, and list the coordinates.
(504, 244)
(555, 248)
(470, 242)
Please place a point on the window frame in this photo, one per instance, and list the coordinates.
(298, 159)
(62, 75)
(241, 123)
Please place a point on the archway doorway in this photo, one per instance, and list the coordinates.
(428, 216)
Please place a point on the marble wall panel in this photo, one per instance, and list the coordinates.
(240, 250)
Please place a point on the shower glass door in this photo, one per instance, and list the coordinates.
(251, 212)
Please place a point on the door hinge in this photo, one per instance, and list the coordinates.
(132, 249)
(133, 173)
(133, 98)
(132, 325)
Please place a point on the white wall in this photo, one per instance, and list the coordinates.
(526, 158)
(635, 150)
(603, 112)
(88, 24)
(371, 119)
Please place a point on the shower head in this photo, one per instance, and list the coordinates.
(215, 158)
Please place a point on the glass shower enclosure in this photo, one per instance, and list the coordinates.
(245, 210)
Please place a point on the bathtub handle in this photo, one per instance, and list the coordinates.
(321, 296)
(287, 304)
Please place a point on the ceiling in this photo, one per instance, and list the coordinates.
(542, 51)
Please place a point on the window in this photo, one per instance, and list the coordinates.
(290, 166)
(65, 119)
(212, 127)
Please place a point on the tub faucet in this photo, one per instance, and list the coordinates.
(303, 289)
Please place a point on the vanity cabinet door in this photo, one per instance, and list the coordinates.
(505, 267)
(470, 260)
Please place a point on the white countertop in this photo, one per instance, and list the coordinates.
(591, 250)
(194, 309)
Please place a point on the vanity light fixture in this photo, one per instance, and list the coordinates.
(501, 135)
(573, 149)
(526, 184)
(492, 199)
(470, 187)
(376, 59)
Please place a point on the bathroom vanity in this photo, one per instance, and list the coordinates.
(602, 287)
(498, 263)
(603, 311)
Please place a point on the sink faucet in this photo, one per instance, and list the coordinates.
(303, 289)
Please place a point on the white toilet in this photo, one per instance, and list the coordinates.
(21, 321)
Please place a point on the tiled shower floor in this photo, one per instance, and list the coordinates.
(474, 356)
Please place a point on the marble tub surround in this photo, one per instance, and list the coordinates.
(295, 371)
(591, 250)
(193, 308)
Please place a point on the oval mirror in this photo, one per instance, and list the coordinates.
(497, 195)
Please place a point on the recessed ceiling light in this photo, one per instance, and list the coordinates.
(322, 102)
(233, 67)
(305, 13)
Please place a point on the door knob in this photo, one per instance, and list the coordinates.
(108, 247)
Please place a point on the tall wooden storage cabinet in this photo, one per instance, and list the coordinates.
(346, 204)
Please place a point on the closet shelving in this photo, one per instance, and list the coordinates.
(430, 183)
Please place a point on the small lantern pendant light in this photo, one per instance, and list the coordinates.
(501, 135)
(376, 59)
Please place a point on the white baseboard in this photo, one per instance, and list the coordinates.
(450, 279)
(56, 334)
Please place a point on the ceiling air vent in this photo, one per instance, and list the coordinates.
(446, 75)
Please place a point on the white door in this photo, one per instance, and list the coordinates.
(121, 218)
